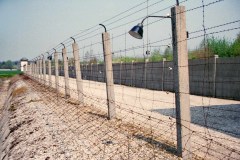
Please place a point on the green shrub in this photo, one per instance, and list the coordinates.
(217, 46)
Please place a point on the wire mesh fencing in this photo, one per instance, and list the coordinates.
(143, 92)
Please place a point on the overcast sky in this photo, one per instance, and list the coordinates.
(31, 27)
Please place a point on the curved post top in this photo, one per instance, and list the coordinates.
(63, 45)
(73, 39)
(103, 27)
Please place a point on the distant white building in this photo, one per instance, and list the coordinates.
(23, 61)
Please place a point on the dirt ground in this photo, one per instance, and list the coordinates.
(38, 123)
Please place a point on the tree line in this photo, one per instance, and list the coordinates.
(8, 64)
(209, 47)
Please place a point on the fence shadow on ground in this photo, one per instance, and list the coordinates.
(222, 118)
(156, 143)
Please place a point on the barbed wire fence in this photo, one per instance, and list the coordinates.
(113, 106)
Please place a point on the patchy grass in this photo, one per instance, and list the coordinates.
(19, 91)
(1, 81)
(12, 108)
(10, 73)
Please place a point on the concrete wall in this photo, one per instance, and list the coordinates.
(159, 76)
(228, 78)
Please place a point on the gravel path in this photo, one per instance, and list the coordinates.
(215, 130)
(45, 126)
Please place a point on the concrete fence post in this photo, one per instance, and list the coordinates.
(181, 81)
(40, 69)
(109, 75)
(132, 73)
(66, 74)
(86, 73)
(59, 66)
(97, 74)
(31, 69)
(120, 75)
(145, 73)
(50, 71)
(56, 70)
(214, 74)
(78, 72)
(27, 69)
(91, 72)
(31, 73)
(44, 70)
(163, 73)
(34, 69)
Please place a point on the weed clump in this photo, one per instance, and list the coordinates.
(19, 91)
(12, 108)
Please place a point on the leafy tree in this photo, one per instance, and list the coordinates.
(155, 56)
(221, 47)
(9, 64)
(93, 60)
(6, 65)
(235, 48)
(168, 54)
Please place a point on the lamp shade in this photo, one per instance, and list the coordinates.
(49, 57)
(137, 31)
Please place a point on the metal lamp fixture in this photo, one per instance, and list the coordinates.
(49, 57)
(137, 31)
